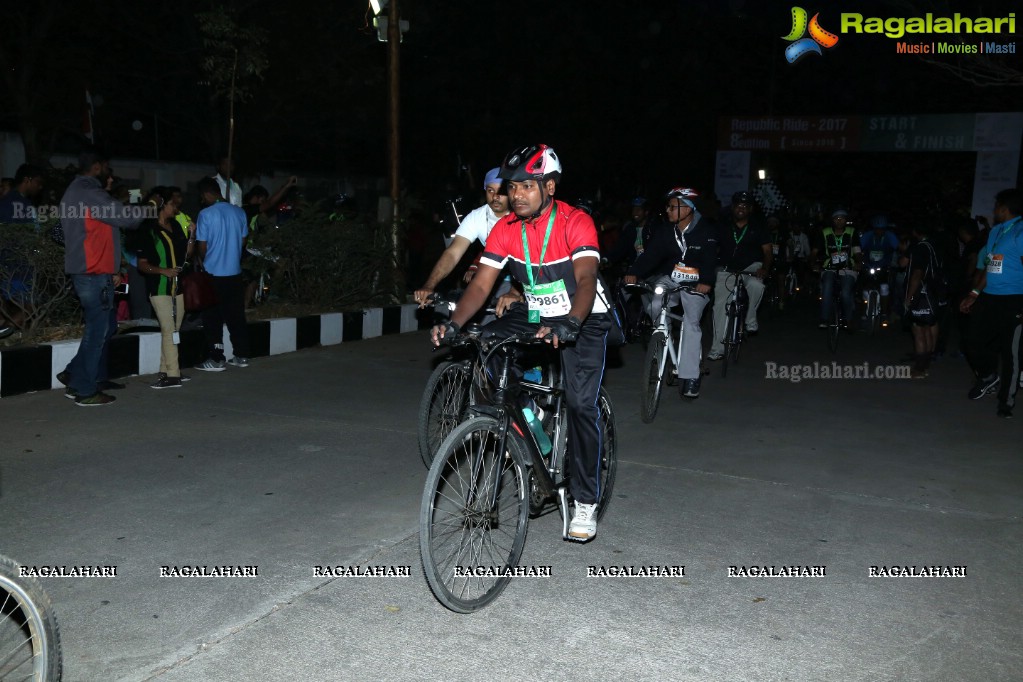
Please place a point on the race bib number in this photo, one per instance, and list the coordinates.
(994, 264)
(876, 256)
(547, 300)
(839, 258)
(682, 274)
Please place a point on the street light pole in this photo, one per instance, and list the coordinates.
(393, 41)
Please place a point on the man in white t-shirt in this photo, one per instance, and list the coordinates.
(476, 226)
(223, 177)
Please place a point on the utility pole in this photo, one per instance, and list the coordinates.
(394, 81)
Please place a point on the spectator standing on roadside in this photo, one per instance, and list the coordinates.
(162, 254)
(16, 206)
(92, 257)
(995, 304)
(229, 189)
(220, 236)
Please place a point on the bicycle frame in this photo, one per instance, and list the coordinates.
(505, 408)
(734, 306)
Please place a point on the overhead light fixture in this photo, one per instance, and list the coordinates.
(378, 5)
(762, 174)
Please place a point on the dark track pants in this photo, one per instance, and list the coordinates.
(994, 336)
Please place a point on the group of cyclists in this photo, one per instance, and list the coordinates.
(541, 269)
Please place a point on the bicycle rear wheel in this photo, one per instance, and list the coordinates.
(608, 452)
(653, 377)
(446, 398)
(474, 515)
(29, 635)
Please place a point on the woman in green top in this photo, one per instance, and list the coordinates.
(165, 251)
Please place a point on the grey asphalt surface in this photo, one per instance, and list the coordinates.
(310, 459)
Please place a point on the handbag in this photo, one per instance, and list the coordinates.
(197, 289)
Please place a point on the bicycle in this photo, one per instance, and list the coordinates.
(29, 634)
(449, 393)
(656, 367)
(837, 321)
(492, 474)
(735, 319)
(876, 279)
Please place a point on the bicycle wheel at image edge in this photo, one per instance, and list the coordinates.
(463, 537)
(446, 398)
(608, 452)
(653, 378)
(29, 635)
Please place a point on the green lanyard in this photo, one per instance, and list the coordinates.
(739, 238)
(839, 241)
(525, 246)
(1008, 226)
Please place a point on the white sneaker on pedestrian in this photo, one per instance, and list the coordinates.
(584, 523)
(238, 361)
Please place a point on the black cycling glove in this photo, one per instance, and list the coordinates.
(566, 330)
(451, 330)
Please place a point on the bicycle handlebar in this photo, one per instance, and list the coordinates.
(671, 289)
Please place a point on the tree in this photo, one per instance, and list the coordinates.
(235, 59)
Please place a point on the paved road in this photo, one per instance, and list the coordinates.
(309, 459)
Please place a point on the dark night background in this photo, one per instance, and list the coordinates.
(628, 93)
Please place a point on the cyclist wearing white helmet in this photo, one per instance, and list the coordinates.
(552, 249)
(685, 254)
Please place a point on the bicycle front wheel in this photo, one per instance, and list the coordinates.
(653, 377)
(834, 329)
(444, 405)
(29, 635)
(474, 515)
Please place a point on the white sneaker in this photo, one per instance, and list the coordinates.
(584, 523)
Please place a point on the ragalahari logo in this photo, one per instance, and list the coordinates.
(801, 46)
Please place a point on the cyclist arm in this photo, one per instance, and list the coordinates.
(445, 264)
(476, 294)
(585, 271)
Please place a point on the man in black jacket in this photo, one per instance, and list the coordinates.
(685, 254)
(744, 246)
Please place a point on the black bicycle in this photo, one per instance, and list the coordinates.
(837, 321)
(29, 635)
(449, 391)
(736, 307)
(494, 472)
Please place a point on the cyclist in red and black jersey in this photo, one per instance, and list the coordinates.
(552, 249)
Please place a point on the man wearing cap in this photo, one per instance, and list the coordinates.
(743, 246)
(476, 226)
(837, 256)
